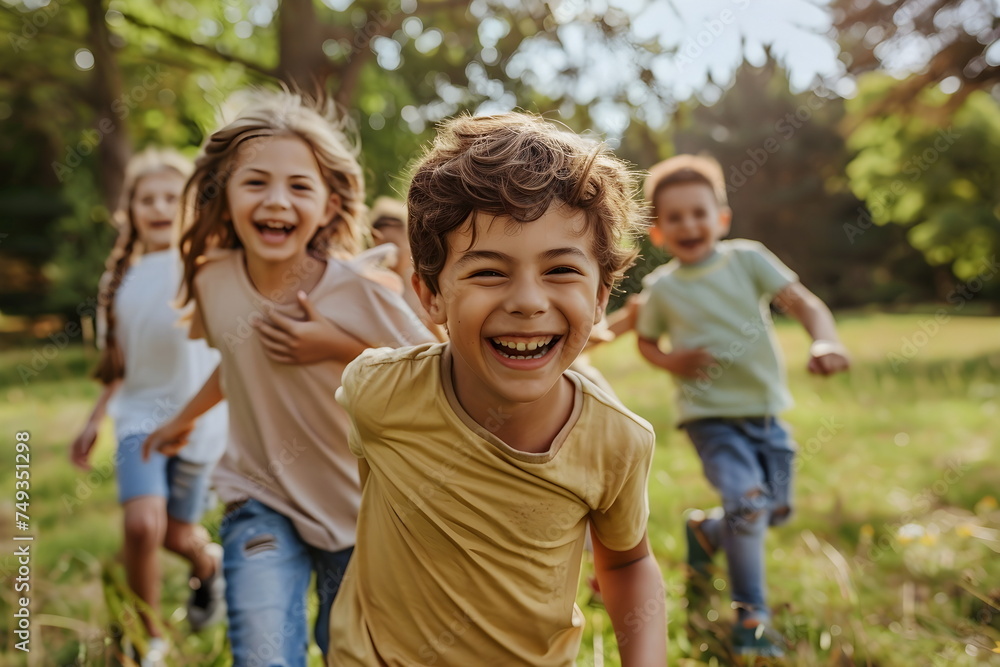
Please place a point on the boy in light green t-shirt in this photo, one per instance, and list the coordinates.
(712, 301)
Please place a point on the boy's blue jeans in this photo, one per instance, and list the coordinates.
(749, 461)
(267, 568)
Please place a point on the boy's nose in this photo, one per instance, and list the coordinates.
(527, 298)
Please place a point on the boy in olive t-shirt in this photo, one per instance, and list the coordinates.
(483, 459)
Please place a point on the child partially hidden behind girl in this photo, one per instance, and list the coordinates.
(275, 195)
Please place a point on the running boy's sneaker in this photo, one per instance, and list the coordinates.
(207, 604)
(700, 550)
(760, 640)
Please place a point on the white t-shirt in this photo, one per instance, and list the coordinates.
(163, 368)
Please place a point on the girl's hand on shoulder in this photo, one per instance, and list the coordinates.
(79, 451)
(308, 341)
(828, 358)
(687, 363)
(169, 439)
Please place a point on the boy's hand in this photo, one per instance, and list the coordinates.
(687, 363)
(79, 451)
(827, 358)
(290, 341)
(169, 439)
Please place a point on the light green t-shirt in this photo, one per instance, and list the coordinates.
(722, 305)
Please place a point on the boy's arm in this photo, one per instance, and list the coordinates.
(79, 451)
(623, 320)
(827, 355)
(172, 436)
(685, 363)
(290, 341)
(632, 589)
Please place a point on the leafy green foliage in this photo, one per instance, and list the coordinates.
(935, 175)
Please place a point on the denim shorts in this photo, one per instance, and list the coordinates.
(184, 484)
(268, 568)
(749, 460)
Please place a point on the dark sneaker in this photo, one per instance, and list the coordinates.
(207, 604)
(762, 640)
(700, 550)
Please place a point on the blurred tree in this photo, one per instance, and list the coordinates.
(938, 182)
(784, 159)
(948, 42)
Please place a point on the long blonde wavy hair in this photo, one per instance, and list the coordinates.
(267, 113)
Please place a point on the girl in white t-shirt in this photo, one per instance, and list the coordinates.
(275, 214)
(149, 368)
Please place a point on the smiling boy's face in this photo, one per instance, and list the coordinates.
(689, 221)
(519, 304)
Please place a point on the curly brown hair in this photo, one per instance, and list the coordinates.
(683, 169)
(272, 114)
(517, 165)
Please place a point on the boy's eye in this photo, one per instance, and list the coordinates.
(254, 181)
(302, 186)
(564, 270)
(487, 273)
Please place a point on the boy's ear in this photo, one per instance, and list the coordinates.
(333, 206)
(433, 303)
(655, 235)
(603, 294)
(725, 219)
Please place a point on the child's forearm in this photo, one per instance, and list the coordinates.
(652, 353)
(101, 407)
(635, 600)
(809, 310)
(207, 398)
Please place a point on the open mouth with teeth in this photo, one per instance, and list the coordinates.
(274, 232)
(524, 348)
(691, 243)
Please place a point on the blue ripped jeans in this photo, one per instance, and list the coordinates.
(749, 461)
(267, 568)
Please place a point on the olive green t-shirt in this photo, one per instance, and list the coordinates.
(469, 550)
(722, 305)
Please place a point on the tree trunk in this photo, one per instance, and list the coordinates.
(115, 146)
(302, 64)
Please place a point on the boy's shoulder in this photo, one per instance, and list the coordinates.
(727, 251)
(742, 247)
(385, 365)
(605, 411)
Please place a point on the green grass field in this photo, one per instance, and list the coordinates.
(891, 558)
